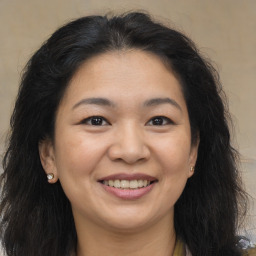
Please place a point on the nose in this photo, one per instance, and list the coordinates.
(129, 145)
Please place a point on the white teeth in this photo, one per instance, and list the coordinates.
(126, 184)
(111, 183)
(117, 184)
(133, 184)
(140, 183)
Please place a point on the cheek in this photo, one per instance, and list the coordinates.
(174, 152)
(77, 159)
(174, 159)
(77, 155)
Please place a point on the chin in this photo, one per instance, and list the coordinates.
(130, 225)
(129, 220)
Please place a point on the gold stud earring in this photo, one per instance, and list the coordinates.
(192, 168)
(50, 176)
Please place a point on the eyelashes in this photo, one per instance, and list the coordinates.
(160, 121)
(101, 121)
(95, 121)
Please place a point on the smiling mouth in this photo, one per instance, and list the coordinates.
(127, 184)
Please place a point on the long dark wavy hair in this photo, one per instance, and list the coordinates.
(36, 218)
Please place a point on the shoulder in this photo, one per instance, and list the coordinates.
(250, 252)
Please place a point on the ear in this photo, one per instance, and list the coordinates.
(47, 157)
(193, 156)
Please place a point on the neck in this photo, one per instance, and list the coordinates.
(158, 239)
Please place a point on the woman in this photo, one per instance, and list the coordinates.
(125, 120)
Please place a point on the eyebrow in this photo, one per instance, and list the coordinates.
(95, 101)
(108, 103)
(159, 101)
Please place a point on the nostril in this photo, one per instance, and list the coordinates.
(128, 149)
(128, 157)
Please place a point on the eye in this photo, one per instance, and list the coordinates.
(95, 121)
(160, 120)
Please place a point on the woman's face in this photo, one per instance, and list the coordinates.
(122, 148)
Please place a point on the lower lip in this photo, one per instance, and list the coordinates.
(129, 194)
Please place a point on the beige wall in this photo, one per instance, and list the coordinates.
(225, 31)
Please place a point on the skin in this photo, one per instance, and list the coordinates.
(128, 140)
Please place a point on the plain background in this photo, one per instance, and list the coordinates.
(224, 31)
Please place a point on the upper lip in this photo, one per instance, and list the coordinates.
(130, 176)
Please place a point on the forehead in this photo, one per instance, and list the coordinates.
(129, 74)
(130, 61)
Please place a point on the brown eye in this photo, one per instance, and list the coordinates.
(95, 121)
(160, 120)
(157, 121)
